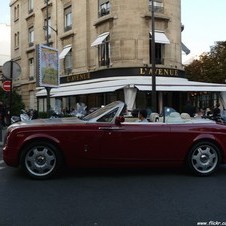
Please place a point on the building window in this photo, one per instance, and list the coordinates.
(68, 18)
(68, 63)
(104, 52)
(160, 41)
(66, 56)
(16, 12)
(31, 68)
(158, 6)
(47, 28)
(31, 36)
(30, 6)
(104, 7)
(158, 53)
(16, 40)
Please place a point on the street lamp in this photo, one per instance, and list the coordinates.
(154, 103)
(45, 28)
(48, 89)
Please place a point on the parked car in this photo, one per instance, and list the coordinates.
(104, 139)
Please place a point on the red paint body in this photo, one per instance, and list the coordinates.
(97, 143)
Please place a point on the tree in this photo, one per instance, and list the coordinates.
(17, 103)
(210, 67)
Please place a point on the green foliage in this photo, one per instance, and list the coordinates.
(17, 103)
(210, 67)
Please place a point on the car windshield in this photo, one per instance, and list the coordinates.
(100, 111)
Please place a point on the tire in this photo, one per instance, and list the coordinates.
(40, 160)
(204, 158)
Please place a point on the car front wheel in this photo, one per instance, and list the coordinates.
(40, 160)
(204, 158)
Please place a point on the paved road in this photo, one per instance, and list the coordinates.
(112, 198)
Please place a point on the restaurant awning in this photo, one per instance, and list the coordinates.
(160, 37)
(99, 40)
(87, 91)
(183, 85)
(142, 83)
(79, 89)
(64, 52)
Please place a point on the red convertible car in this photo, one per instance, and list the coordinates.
(106, 138)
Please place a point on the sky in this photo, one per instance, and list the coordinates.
(4, 11)
(204, 22)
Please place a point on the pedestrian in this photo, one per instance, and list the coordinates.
(216, 111)
(189, 108)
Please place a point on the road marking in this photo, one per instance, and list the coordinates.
(2, 161)
(2, 168)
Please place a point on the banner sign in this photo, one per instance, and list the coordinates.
(47, 66)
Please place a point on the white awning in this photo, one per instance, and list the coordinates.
(87, 91)
(182, 84)
(78, 89)
(160, 37)
(183, 88)
(100, 39)
(64, 52)
(103, 85)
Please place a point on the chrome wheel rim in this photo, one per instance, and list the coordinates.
(40, 160)
(204, 159)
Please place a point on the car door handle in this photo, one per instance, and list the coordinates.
(110, 128)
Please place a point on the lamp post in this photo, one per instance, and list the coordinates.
(154, 103)
(48, 89)
(47, 22)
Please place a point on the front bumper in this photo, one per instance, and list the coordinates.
(10, 157)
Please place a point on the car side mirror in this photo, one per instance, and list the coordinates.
(119, 120)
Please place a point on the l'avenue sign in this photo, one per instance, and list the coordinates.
(119, 72)
(167, 72)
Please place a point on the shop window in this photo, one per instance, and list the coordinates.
(104, 7)
(68, 18)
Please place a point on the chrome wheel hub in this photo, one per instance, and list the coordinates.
(204, 159)
(40, 160)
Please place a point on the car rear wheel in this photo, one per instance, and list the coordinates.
(204, 158)
(40, 160)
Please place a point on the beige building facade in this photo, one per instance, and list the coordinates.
(104, 51)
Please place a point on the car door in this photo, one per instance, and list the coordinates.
(136, 141)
